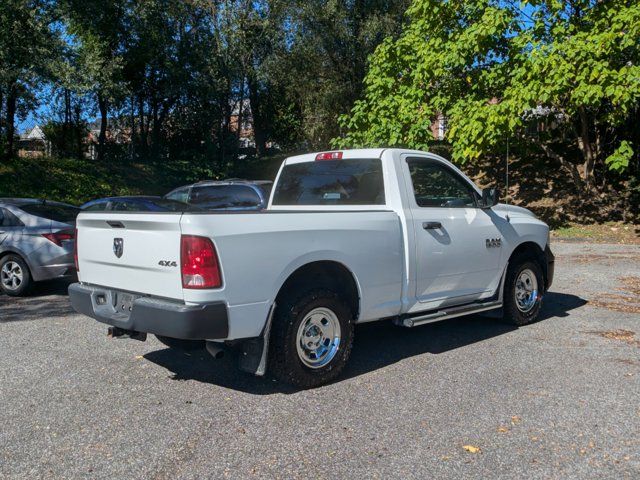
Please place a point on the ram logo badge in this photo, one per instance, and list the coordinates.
(118, 247)
(493, 242)
(167, 263)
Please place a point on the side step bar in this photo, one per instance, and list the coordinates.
(452, 312)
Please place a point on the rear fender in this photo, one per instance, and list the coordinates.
(311, 257)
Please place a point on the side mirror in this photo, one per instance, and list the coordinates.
(490, 197)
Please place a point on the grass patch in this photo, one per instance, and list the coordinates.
(608, 232)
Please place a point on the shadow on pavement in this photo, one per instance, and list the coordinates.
(559, 305)
(376, 346)
(46, 300)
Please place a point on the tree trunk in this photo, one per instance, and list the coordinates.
(240, 120)
(259, 133)
(143, 131)
(155, 133)
(570, 167)
(102, 106)
(12, 97)
(132, 134)
(1, 122)
(586, 146)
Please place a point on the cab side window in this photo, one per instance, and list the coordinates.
(435, 185)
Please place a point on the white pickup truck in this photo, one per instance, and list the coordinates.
(347, 237)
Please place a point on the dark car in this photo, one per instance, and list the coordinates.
(231, 194)
(133, 204)
(36, 242)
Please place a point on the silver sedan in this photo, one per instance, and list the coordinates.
(36, 242)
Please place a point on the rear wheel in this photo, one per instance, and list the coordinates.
(311, 338)
(15, 277)
(523, 291)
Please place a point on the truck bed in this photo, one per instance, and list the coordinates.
(257, 251)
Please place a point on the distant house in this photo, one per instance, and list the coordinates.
(439, 127)
(33, 143)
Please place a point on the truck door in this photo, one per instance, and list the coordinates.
(457, 243)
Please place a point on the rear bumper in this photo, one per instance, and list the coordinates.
(551, 260)
(151, 315)
(51, 261)
(49, 272)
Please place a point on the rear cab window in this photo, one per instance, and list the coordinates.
(331, 182)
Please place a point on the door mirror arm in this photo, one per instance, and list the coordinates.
(490, 198)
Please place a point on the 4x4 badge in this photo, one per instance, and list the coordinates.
(167, 263)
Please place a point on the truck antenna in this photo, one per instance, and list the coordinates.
(506, 179)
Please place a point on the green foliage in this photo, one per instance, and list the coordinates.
(620, 158)
(322, 70)
(27, 46)
(78, 180)
(495, 68)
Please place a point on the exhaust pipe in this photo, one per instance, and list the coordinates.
(215, 350)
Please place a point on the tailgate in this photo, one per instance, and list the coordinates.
(133, 252)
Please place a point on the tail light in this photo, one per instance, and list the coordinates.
(75, 252)
(59, 237)
(199, 263)
(329, 156)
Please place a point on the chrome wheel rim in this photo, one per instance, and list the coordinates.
(318, 338)
(11, 275)
(526, 291)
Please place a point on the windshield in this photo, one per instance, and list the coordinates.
(225, 196)
(331, 182)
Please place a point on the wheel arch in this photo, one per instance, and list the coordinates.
(330, 274)
(18, 253)
(533, 250)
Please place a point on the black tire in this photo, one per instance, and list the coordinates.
(26, 281)
(512, 313)
(180, 344)
(285, 364)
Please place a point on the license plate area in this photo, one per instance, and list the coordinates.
(114, 304)
(124, 302)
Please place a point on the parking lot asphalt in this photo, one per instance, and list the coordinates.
(465, 398)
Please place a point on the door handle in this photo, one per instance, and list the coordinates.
(431, 225)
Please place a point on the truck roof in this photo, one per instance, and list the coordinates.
(349, 153)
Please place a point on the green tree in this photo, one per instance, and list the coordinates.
(99, 27)
(26, 41)
(494, 68)
(321, 72)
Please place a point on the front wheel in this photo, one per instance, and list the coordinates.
(523, 290)
(15, 277)
(311, 338)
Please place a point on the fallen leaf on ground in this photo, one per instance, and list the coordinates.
(471, 448)
(503, 429)
(515, 420)
(626, 336)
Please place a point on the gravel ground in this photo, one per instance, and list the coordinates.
(557, 399)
